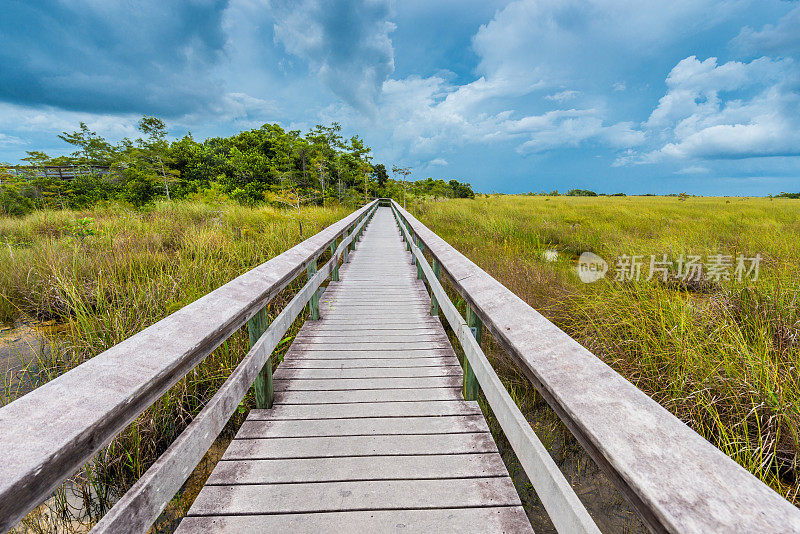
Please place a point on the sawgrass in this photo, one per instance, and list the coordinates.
(106, 274)
(722, 356)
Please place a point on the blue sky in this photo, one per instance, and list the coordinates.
(613, 95)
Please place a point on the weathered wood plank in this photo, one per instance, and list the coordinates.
(361, 410)
(357, 468)
(253, 428)
(377, 346)
(310, 353)
(433, 337)
(380, 395)
(371, 495)
(371, 407)
(365, 363)
(354, 384)
(379, 445)
(491, 520)
(293, 373)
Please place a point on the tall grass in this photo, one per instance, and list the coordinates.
(106, 274)
(722, 356)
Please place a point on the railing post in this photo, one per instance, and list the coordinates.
(313, 304)
(335, 272)
(421, 246)
(262, 387)
(437, 271)
(470, 381)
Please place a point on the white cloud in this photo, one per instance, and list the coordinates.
(780, 39)
(731, 110)
(562, 96)
(532, 45)
(694, 169)
(439, 162)
(10, 140)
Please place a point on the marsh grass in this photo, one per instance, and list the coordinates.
(596, 492)
(106, 274)
(722, 356)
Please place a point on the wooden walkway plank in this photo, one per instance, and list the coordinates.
(369, 431)
(293, 373)
(360, 495)
(357, 468)
(454, 424)
(441, 521)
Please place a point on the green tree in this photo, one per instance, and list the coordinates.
(92, 148)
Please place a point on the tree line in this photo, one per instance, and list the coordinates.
(262, 165)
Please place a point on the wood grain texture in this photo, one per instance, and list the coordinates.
(506, 519)
(368, 417)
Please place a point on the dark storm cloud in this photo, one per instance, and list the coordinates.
(346, 42)
(101, 56)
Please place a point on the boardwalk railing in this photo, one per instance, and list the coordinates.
(673, 477)
(562, 505)
(48, 434)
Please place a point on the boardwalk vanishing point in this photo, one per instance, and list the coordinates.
(369, 430)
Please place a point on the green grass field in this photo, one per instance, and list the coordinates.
(721, 355)
(105, 274)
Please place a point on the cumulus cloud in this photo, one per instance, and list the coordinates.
(346, 43)
(730, 110)
(116, 57)
(556, 42)
(530, 46)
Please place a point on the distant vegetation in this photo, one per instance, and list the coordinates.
(266, 165)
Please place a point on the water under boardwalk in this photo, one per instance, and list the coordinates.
(369, 430)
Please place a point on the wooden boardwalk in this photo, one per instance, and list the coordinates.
(369, 430)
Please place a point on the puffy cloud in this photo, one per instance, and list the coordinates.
(732, 110)
(346, 43)
(117, 57)
(555, 42)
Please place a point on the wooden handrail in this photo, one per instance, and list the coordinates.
(147, 498)
(565, 509)
(48, 434)
(675, 479)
